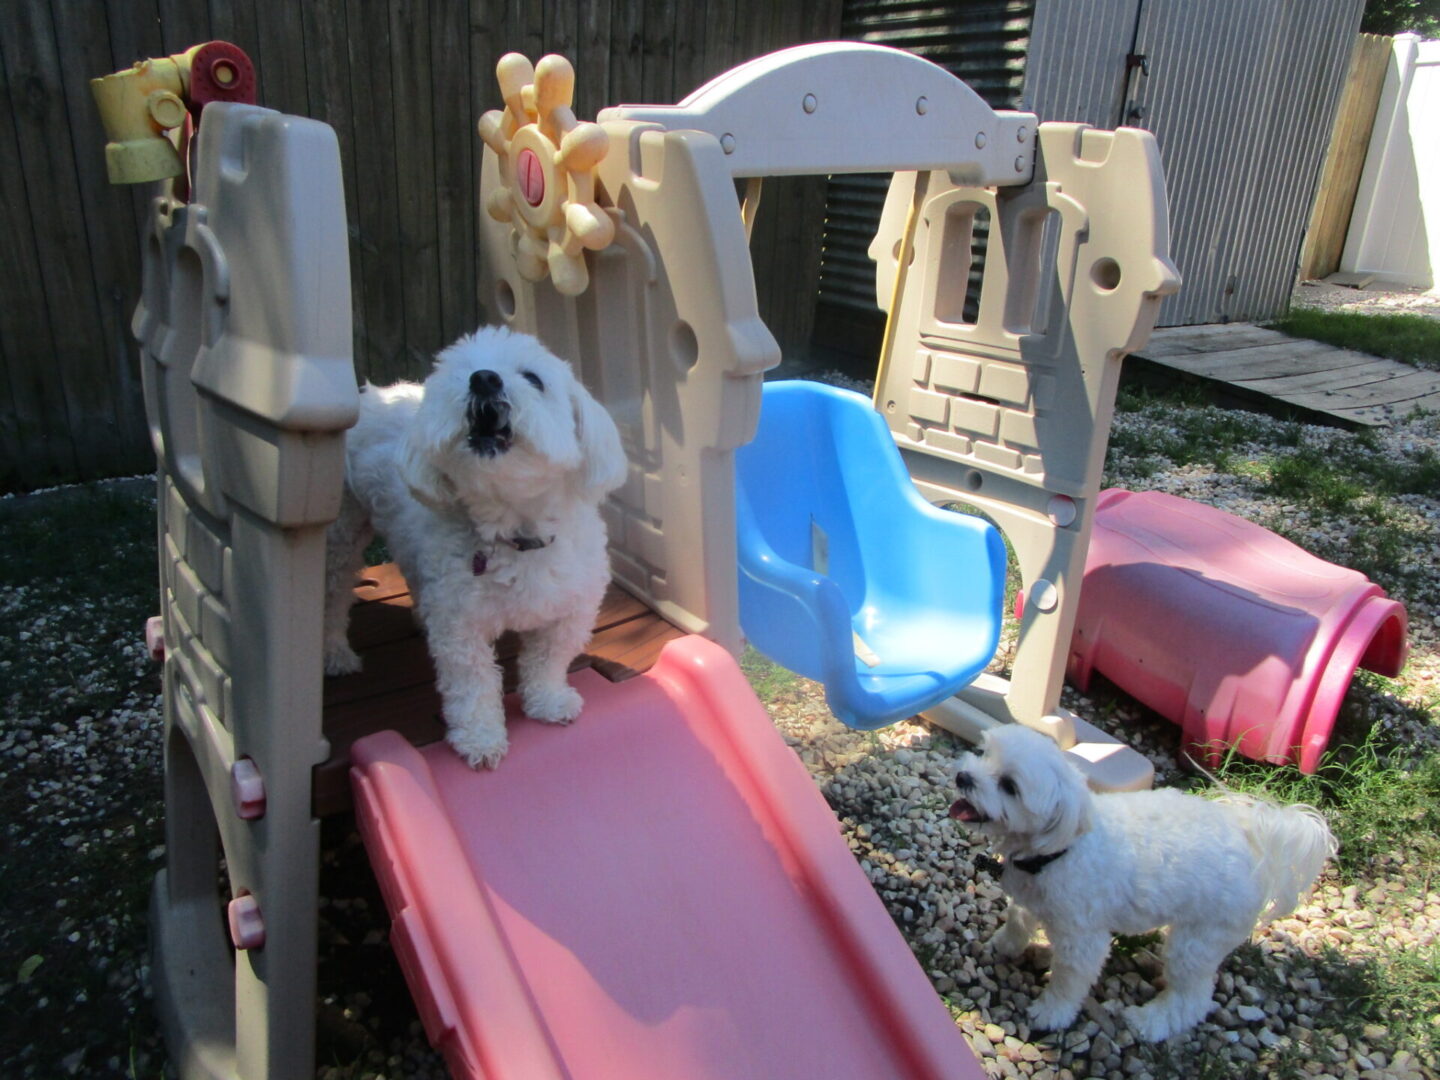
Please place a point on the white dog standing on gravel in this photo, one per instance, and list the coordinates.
(1087, 866)
(485, 483)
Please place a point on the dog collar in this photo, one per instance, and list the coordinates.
(1031, 864)
(480, 561)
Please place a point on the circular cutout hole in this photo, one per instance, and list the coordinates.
(1106, 274)
(224, 73)
(684, 347)
(505, 299)
(973, 480)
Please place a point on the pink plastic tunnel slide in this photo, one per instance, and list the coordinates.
(658, 891)
(1233, 632)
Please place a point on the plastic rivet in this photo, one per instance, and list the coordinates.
(1061, 510)
(247, 790)
(980, 140)
(1044, 596)
(727, 143)
(1020, 163)
(922, 106)
(247, 928)
(810, 103)
(1021, 134)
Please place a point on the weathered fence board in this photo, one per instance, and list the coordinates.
(403, 86)
(1345, 159)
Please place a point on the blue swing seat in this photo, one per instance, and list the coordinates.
(847, 575)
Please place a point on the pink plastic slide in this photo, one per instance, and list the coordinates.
(656, 891)
(1238, 635)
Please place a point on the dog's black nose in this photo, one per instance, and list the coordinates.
(486, 383)
(964, 781)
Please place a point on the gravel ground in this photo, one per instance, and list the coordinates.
(80, 761)
(1375, 300)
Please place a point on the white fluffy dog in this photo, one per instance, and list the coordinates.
(485, 483)
(1087, 866)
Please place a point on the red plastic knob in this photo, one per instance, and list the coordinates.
(220, 72)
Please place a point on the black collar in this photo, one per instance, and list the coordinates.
(480, 561)
(1031, 864)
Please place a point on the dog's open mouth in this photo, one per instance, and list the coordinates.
(964, 810)
(490, 431)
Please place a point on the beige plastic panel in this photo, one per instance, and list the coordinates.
(668, 336)
(849, 106)
(244, 326)
(1011, 412)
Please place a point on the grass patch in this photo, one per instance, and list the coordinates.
(768, 679)
(1376, 803)
(1197, 434)
(1397, 989)
(1411, 339)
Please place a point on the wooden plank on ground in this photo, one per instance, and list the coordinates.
(1262, 361)
(1355, 375)
(1182, 340)
(1408, 387)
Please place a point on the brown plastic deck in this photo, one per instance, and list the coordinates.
(396, 687)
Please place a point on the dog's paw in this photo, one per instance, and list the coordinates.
(480, 746)
(1047, 1013)
(1006, 944)
(342, 660)
(1167, 1015)
(554, 705)
(1148, 1023)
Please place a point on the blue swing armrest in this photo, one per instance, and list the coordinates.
(799, 617)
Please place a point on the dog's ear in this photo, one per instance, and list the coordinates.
(1063, 806)
(604, 463)
(419, 450)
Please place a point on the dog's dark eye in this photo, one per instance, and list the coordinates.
(534, 380)
(1008, 786)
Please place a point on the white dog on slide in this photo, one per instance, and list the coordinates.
(1087, 866)
(485, 483)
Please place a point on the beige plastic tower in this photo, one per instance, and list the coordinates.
(245, 335)
(1011, 413)
(668, 335)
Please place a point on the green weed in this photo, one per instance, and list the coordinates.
(1411, 339)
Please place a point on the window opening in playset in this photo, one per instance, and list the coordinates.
(1033, 257)
(963, 240)
(182, 407)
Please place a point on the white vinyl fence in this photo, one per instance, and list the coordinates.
(1395, 228)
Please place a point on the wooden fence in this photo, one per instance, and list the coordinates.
(403, 85)
(1349, 139)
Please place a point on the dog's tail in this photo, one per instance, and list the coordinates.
(1291, 844)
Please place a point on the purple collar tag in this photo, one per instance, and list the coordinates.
(479, 563)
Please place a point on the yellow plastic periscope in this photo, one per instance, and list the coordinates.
(140, 106)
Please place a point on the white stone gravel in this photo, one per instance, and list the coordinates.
(1373, 300)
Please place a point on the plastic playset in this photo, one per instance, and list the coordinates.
(658, 890)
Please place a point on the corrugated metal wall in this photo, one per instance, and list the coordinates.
(1240, 95)
(982, 42)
